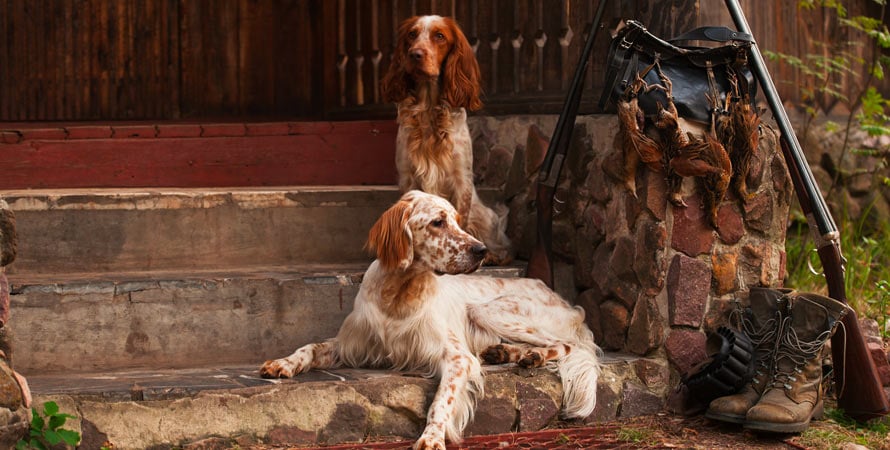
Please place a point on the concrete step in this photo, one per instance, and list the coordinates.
(125, 230)
(90, 231)
(87, 322)
(231, 405)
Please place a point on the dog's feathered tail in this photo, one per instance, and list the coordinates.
(579, 372)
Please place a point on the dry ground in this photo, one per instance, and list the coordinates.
(662, 431)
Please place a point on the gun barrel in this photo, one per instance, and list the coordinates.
(821, 214)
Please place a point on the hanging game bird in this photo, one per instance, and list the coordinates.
(686, 155)
(673, 140)
(738, 128)
(631, 138)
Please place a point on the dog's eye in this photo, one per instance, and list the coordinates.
(440, 36)
(438, 223)
(412, 34)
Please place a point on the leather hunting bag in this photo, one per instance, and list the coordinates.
(697, 74)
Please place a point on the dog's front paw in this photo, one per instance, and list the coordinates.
(531, 360)
(429, 443)
(278, 368)
(496, 354)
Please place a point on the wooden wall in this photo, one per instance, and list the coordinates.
(76, 60)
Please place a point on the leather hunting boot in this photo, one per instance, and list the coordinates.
(761, 322)
(794, 395)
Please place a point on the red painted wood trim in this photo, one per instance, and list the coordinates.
(204, 155)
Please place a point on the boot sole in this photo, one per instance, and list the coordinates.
(730, 418)
(796, 427)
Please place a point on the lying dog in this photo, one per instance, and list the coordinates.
(418, 310)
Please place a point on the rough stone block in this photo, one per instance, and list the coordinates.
(648, 263)
(290, 435)
(536, 408)
(691, 234)
(608, 402)
(725, 266)
(494, 415)
(622, 259)
(759, 213)
(615, 319)
(685, 349)
(645, 331)
(718, 314)
(590, 301)
(880, 358)
(688, 284)
(654, 373)
(655, 193)
(732, 227)
(639, 401)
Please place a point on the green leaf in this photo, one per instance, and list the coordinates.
(37, 444)
(50, 408)
(70, 437)
(52, 437)
(57, 421)
(21, 445)
(37, 422)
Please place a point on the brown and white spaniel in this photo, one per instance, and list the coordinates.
(418, 310)
(434, 79)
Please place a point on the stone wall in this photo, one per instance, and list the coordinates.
(654, 278)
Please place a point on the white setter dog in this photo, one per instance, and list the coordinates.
(417, 309)
(434, 79)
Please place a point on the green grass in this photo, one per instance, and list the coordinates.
(837, 430)
(635, 435)
(865, 244)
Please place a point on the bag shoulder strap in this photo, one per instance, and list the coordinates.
(716, 34)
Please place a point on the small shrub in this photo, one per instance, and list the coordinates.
(46, 430)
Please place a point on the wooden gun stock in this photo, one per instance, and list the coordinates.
(859, 388)
(540, 265)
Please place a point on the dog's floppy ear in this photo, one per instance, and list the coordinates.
(461, 80)
(390, 238)
(396, 83)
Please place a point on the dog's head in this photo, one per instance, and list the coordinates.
(421, 231)
(434, 48)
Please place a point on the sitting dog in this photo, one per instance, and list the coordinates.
(417, 309)
(434, 79)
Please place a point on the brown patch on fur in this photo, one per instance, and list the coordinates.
(389, 237)
(401, 295)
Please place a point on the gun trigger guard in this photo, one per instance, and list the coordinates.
(810, 265)
(557, 201)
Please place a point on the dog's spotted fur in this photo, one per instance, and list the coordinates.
(409, 317)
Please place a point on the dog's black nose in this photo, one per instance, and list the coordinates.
(416, 54)
(479, 251)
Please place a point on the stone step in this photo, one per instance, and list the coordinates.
(87, 322)
(125, 230)
(91, 231)
(231, 404)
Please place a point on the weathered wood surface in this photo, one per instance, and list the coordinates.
(250, 59)
(199, 155)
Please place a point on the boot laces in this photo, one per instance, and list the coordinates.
(790, 347)
(762, 337)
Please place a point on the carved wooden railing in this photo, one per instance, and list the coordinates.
(526, 50)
